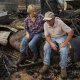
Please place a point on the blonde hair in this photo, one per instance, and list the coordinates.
(31, 7)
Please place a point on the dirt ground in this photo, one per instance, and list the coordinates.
(31, 73)
(53, 74)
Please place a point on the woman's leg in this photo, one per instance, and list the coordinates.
(32, 45)
(23, 44)
(33, 42)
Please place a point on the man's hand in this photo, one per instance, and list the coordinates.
(63, 44)
(54, 46)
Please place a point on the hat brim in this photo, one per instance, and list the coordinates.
(47, 18)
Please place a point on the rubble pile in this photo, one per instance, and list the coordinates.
(18, 24)
(9, 69)
(8, 57)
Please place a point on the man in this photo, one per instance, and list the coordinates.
(56, 31)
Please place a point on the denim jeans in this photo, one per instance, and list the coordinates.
(31, 42)
(63, 52)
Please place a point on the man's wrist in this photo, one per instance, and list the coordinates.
(66, 42)
(50, 42)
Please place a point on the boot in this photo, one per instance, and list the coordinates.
(35, 56)
(44, 69)
(63, 73)
(21, 58)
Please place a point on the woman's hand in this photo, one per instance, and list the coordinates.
(27, 35)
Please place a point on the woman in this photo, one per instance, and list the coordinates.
(33, 29)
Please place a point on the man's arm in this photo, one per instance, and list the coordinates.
(53, 45)
(69, 37)
(66, 29)
(48, 38)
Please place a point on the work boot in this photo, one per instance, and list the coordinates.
(21, 58)
(44, 69)
(63, 73)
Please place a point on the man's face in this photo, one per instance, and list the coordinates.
(51, 22)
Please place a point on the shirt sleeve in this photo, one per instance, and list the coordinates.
(64, 27)
(26, 25)
(41, 17)
(46, 33)
(42, 21)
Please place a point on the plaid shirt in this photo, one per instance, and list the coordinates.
(34, 27)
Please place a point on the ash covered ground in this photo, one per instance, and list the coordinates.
(9, 71)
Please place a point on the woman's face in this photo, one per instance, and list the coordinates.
(33, 12)
(51, 22)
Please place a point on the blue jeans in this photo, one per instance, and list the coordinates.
(31, 42)
(63, 52)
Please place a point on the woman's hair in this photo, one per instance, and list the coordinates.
(31, 7)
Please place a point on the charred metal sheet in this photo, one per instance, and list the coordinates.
(4, 37)
(7, 28)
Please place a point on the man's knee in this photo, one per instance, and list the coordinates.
(64, 49)
(46, 47)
